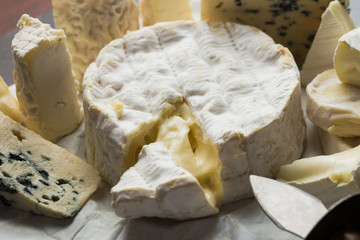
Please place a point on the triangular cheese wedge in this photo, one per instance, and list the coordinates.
(9, 104)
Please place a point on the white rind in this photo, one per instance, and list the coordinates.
(333, 144)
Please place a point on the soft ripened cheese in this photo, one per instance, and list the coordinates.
(91, 24)
(335, 22)
(153, 11)
(9, 105)
(333, 105)
(45, 85)
(333, 144)
(39, 176)
(347, 58)
(217, 69)
(328, 177)
(290, 23)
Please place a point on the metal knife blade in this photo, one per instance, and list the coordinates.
(289, 207)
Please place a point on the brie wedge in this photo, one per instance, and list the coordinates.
(205, 83)
(333, 144)
(9, 105)
(45, 85)
(328, 178)
(333, 105)
(335, 22)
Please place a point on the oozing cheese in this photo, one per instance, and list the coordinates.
(333, 144)
(347, 58)
(335, 22)
(329, 178)
(290, 23)
(9, 105)
(215, 69)
(153, 11)
(40, 177)
(91, 24)
(45, 85)
(333, 105)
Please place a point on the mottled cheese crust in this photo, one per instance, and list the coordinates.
(40, 177)
(253, 120)
(91, 24)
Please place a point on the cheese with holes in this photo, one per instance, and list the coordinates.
(329, 177)
(347, 58)
(9, 105)
(153, 11)
(39, 176)
(91, 24)
(290, 23)
(45, 85)
(333, 144)
(333, 105)
(335, 22)
(212, 96)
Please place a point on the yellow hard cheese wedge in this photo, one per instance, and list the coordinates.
(9, 104)
(335, 22)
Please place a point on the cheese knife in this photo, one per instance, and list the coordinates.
(302, 214)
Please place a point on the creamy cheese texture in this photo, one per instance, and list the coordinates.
(153, 11)
(208, 80)
(329, 177)
(347, 58)
(91, 24)
(335, 22)
(40, 177)
(45, 85)
(333, 144)
(333, 105)
(290, 23)
(9, 105)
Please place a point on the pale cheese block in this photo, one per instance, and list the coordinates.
(153, 11)
(91, 24)
(333, 105)
(290, 23)
(335, 22)
(9, 105)
(253, 121)
(333, 144)
(40, 177)
(347, 58)
(45, 85)
(328, 177)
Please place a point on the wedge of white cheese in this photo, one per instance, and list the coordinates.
(347, 58)
(91, 24)
(333, 144)
(290, 23)
(9, 105)
(153, 11)
(40, 177)
(335, 22)
(329, 177)
(45, 85)
(333, 105)
(212, 73)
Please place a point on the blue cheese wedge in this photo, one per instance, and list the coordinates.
(40, 177)
(213, 96)
(45, 85)
(290, 23)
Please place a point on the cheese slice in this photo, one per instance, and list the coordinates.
(153, 11)
(9, 104)
(140, 85)
(290, 23)
(333, 105)
(329, 177)
(90, 25)
(333, 144)
(335, 22)
(347, 58)
(40, 177)
(45, 85)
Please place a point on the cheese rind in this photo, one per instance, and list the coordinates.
(91, 24)
(9, 105)
(335, 22)
(333, 144)
(40, 177)
(333, 105)
(290, 23)
(45, 85)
